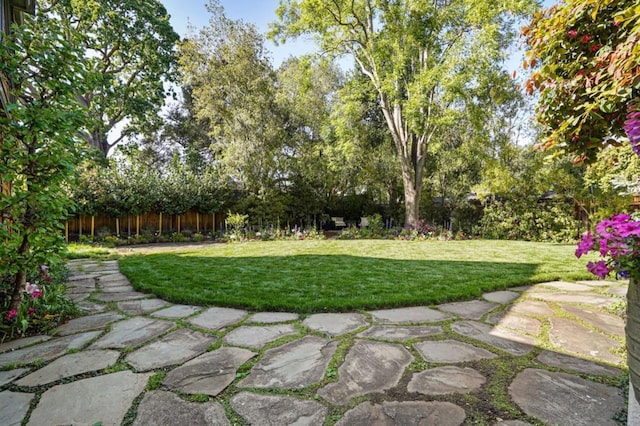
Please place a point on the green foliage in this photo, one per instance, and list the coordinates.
(39, 149)
(128, 46)
(586, 71)
(237, 222)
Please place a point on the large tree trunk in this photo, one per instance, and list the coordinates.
(21, 277)
(412, 196)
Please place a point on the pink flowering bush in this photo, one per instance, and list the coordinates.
(617, 239)
(43, 305)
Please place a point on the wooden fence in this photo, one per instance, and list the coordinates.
(148, 223)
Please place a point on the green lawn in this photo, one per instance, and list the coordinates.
(335, 275)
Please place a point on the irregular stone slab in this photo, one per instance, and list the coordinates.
(502, 297)
(606, 322)
(11, 375)
(294, 365)
(112, 277)
(271, 410)
(14, 407)
(451, 351)
(91, 322)
(70, 365)
(335, 324)
(256, 336)
(600, 283)
(410, 413)
(209, 373)
(473, 309)
(498, 338)
(176, 311)
(561, 285)
(271, 317)
(446, 380)
(90, 307)
(78, 297)
(592, 299)
(509, 320)
(560, 398)
(385, 363)
(165, 408)
(400, 333)
(82, 277)
(521, 288)
(618, 291)
(216, 318)
(108, 285)
(568, 362)
(118, 297)
(414, 315)
(105, 399)
(47, 350)
(23, 343)
(89, 284)
(117, 289)
(137, 307)
(174, 348)
(132, 332)
(573, 337)
(532, 307)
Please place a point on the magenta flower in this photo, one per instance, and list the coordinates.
(632, 128)
(585, 245)
(572, 33)
(36, 294)
(598, 268)
(11, 315)
(31, 311)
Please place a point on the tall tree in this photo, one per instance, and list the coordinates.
(233, 87)
(420, 56)
(129, 47)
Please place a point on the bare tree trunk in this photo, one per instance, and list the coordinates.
(21, 277)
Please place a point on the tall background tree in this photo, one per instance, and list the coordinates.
(420, 57)
(129, 48)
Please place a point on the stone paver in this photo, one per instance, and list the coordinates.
(14, 407)
(11, 375)
(516, 322)
(118, 297)
(136, 307)
(209, 373)
(532, 307)
(217, 318)
(575, 338)
(502, 297)
(23, 343)
(90, 307)
(414, 315)
(445, 380)
(176, 311)
(48, 350)
(561, 398)
(174, 348)
(132, 332)
(85, 402)
(568, 362)
(369, 367)
(473, 309)
(409, 413)
(592, 299)
(400, 333)
(258, 336)
(561, 285)
(602, 283)
(165, 408)
(271, 317)
(117, 289)
(335, 324)
(498, 338)
(91, 322)
(451, 351)
(618, 291)
(294, 365)
(70, 365)
(608, 323)
(271, 410)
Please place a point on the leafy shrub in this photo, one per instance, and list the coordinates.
(237, 222)
(43, 306)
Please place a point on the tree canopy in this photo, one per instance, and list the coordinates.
(421, 57)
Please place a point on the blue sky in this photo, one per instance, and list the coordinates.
(257, 12)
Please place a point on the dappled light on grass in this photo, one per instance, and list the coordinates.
(318, 276)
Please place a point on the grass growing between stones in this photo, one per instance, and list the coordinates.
(337, 275)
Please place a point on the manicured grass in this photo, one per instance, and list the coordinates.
(334, 275)
(86, 251)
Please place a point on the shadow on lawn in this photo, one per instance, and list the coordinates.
(317, 283)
